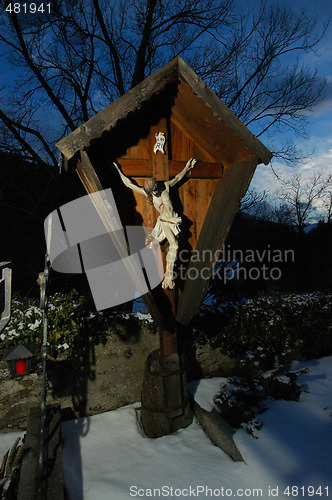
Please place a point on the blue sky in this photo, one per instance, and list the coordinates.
(319, 141)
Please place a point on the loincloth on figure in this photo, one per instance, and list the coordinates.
(173, 223)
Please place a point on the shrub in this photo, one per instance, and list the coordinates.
(70, 321)
(241, 399)
(268, 330)
(274, 327)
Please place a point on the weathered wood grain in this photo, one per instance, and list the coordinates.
(182, 144)
(204, 193)
(136, 167)
(143, 168)
(206, 129)
(188, 191)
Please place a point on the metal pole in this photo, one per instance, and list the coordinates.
(43, 280)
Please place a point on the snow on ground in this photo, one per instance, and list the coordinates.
(107, 458)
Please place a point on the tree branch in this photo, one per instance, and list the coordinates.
(27, 147)
(113, 52)
(37, 72)
(139, 70)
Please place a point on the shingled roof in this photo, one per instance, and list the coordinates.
(174, 72)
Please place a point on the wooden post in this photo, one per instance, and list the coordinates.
(170, 362)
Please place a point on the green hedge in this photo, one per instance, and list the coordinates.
(70, 322)
(279, 325)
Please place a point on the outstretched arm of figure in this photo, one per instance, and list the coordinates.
(190, 164)
(127, 182)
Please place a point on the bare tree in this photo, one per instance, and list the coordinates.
(281, 212)
(69, 63)
(266, 86)
(264, 207)
(302, 198)
(253, 202)
(327, 204)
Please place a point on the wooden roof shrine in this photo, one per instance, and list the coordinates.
(196, 124)
(175, 104)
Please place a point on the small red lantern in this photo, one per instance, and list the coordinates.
(21, 366)
(19, 359)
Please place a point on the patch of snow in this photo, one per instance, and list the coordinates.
(34, 325)
(144, 316)
(203, 391)
(106, 457)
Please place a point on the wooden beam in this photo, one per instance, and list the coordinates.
(202, 170)
(87, 174)
(223, 114)
(224, 204)
(143, 168)
(135, 167)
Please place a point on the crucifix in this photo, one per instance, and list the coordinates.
(157, 193)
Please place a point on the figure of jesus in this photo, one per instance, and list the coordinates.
(168, 222)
